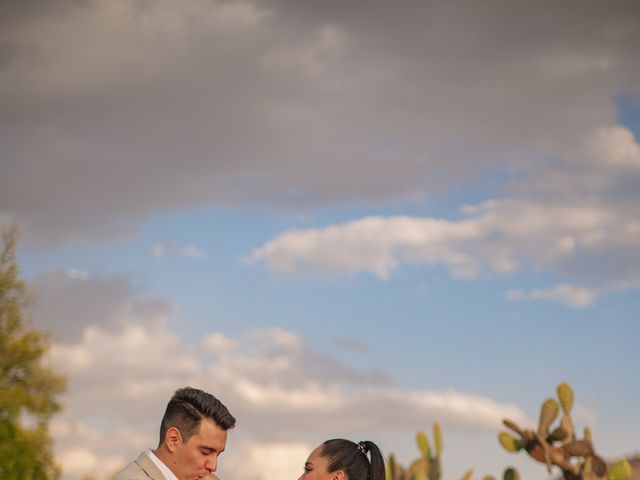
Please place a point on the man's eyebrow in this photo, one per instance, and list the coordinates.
(211, 449)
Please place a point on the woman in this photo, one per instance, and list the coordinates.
(340, 459)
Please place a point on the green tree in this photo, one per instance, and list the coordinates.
(28, 388)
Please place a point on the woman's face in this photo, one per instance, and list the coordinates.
(316, 466)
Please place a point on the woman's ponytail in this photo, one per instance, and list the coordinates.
(377, 471)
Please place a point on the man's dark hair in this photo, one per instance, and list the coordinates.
(188, 407)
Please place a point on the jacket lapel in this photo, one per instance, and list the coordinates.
(145, 463)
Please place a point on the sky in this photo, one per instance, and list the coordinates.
(344, 219)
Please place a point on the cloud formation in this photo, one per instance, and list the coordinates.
(169, 248)
(69, 303)
(163, 106)
(285, 395)
(577, 218)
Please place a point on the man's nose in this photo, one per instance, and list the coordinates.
(211, 464)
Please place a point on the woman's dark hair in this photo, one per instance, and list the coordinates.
(188, 407)
(352, 458)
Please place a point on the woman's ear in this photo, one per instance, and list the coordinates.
(338, 475)
(172, 439)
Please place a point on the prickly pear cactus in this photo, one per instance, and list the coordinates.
(511, 474)
(394, 469)
(557, 446)
(426, 467)
(620, 470)
(565, 395)
(467, 475)
(430, 464)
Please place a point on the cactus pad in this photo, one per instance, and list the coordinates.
(557, 435)
(621, 470)
(437, 439)
(423, 444)
(579, 448)
(511, 474)
(548, 414)
(565, 395)
(469, 473)
(510, 443)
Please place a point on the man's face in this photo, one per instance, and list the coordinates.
(198, 457)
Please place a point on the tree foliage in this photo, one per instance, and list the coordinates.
(28, 388)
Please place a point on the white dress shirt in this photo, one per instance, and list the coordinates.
(168, 474)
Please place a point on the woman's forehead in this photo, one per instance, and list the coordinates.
(316, 454)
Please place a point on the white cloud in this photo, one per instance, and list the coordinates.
(372, 244)
(217, 342)
(170, 248)
(500, 238)
(284, 395)
(465, 409)
(81, 462)
(194, 252)
(564, 219)
(77, 274)
(278, 337)
(158, 250)
(313, 396)
(273, 461)
(570, 295)
(615, 146)
(78, 461)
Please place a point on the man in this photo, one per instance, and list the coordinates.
(193, 433)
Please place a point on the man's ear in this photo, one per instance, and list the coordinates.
(172, 439)
(338, 475)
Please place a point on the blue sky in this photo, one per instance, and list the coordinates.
(343, 222)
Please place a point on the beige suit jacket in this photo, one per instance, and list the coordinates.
(141, 469)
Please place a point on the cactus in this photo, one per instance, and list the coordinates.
(429, 465)
(565, 395)
(511, 474)
(554, 446)
(558, 434)
(394, 470)
(435, 464)
(469, 473)
(510, 443)
(544, 447)
(417, 470)
(437, 439)
(621, 470)
(426, 467)
(423, 444)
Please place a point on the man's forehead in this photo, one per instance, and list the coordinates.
(210, 432)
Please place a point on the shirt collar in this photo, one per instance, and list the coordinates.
(168, 474)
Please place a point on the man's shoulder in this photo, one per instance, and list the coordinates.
(131, 472)
(140, 469)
